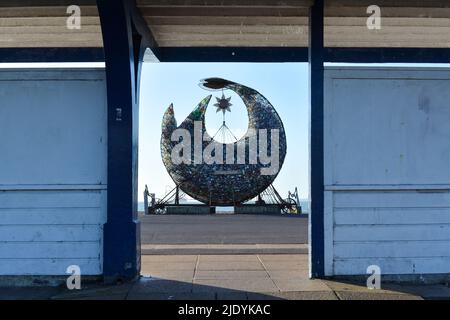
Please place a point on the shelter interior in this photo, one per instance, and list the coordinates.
(245, 23)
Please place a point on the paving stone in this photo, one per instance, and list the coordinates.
(284, 257)
(354, 295)
(286, 265)
(226, 274)
(168, 258)
(294, 295)
(149, 267)
(172, 296)
(228, 258)
(28, 293)
(101, 297)
(361, 287)
(227, 265)
(147, 286)
(289, 274)
(428, 292)
(180, 275)
(99, 292)
(247, 285)
(300, 285)
(232, 296)
(264, 296)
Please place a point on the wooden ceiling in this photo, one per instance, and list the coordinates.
(42, 23)
(284, 23)
(404, 23)
(233, 23)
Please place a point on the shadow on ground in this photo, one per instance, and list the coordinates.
(162, 289)
(142, 289)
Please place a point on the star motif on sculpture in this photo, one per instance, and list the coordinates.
(223, 104)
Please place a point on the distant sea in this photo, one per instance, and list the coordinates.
(303, 202)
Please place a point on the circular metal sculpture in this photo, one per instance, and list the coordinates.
(246, 170)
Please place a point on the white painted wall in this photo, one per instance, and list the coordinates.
(387, 177)
(53, 177)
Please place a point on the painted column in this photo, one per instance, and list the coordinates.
(316, 73)
(121, 255)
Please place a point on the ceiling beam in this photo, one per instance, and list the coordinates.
(24, 55)
(233, 54)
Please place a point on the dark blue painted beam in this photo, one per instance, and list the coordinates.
(121, 254)
(316, 73)
(15, 55)
(235, 54)
(141, 28)
(232, 54)
(298, 54)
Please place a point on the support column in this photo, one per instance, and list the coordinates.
(316, 73)
(121, 242)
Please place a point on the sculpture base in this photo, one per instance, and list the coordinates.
(257, 209)
(202, 209)
(190, 209)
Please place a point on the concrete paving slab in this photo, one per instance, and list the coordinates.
(289, 274)
(95, 292)
(229, 258)
(248, 285)
(180, 275)
(360, 287)
(168, 258)
(428, 292)
(232, 296)
(229, 265)
(352, 295)
(101, 297)
(294, 295)
(226, 274)
(285, 265)
(283, 257)
(172, 296)
(148, 267)
(149, 285)
(286, 285)
(28, 293)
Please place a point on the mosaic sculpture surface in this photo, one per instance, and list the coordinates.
(237, 179)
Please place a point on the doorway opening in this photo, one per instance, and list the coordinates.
(217, 250)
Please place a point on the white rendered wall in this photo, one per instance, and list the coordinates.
(53, 156)
(387, 170)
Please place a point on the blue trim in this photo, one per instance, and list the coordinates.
(316, 64)
(299, 54)
(386, 55)
(15, 55)
(121, 254)
(232, 54)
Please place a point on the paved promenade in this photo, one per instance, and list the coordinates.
(224, 229)
(211, 277)
(219, 257)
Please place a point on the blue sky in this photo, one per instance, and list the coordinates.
(285, 85)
